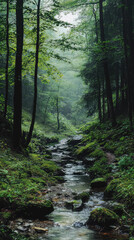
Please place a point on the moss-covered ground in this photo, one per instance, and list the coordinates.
(100, 139)
(25, 177)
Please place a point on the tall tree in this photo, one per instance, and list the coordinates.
(7, 58)
(18, 76)
(105, 66)
(128, 52)
(35, 75)
(97, 67)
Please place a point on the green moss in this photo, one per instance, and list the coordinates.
(103, 217)
(99, 169)
(97, 153)
(84, 196)
(35, 157)
(111, 189)
(118, 208)
(87, 149)
(98, 183)
(110, 146)
(73, 204)
(22, 178)
(121, 189)
(50, 166)
(5, 216)
(59, 179)
(34, 210)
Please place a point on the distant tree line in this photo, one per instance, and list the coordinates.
(107, 27)
(109, 71)
(29, 79)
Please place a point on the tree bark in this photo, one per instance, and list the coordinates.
(18, 77)
(103, 100)
(125, 23)
(117, 86)
(58, 120)
(7, 59)
(35, 76)
(97, 70)
(122, 86)
(105, 66)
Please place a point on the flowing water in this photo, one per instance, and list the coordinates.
(68, 224)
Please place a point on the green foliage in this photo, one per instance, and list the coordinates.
(99, 169)
(122, 189)
(97, 153)
(22, 178)
(87, 149)
(126, 162)
(103, 217)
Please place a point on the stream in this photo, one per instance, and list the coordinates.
(68, 224)
(65, 222)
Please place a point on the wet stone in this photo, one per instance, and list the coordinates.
(78, 224)
(21, 228)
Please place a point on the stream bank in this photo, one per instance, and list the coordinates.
(68, 220)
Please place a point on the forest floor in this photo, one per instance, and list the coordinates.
(26, 177)
(109, 155)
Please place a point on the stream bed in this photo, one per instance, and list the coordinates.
(68, 224)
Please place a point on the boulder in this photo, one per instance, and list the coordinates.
(84, 196)
(103, 217)
(35, 210)
(98, 183)
(75, 140)
(78, 206)
(74, 205)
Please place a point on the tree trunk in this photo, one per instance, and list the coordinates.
(58, 120)
(117, 86)
(35, 76)
(7, 59)
(103, 100)
(125, 24)
(105, 66)
(99, 97)
(45, 112)
(97, 70)
(18, 77)
(122, 88)
(131, 50)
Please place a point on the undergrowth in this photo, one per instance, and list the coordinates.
(99, 139)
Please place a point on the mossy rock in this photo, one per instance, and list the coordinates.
(84, 196)
(103, 217)
(78, 206)
(99, 183)
(118, 208)
(85, 150)
(75, 205)
(69, 204)
(111, 188)
(34, 210)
